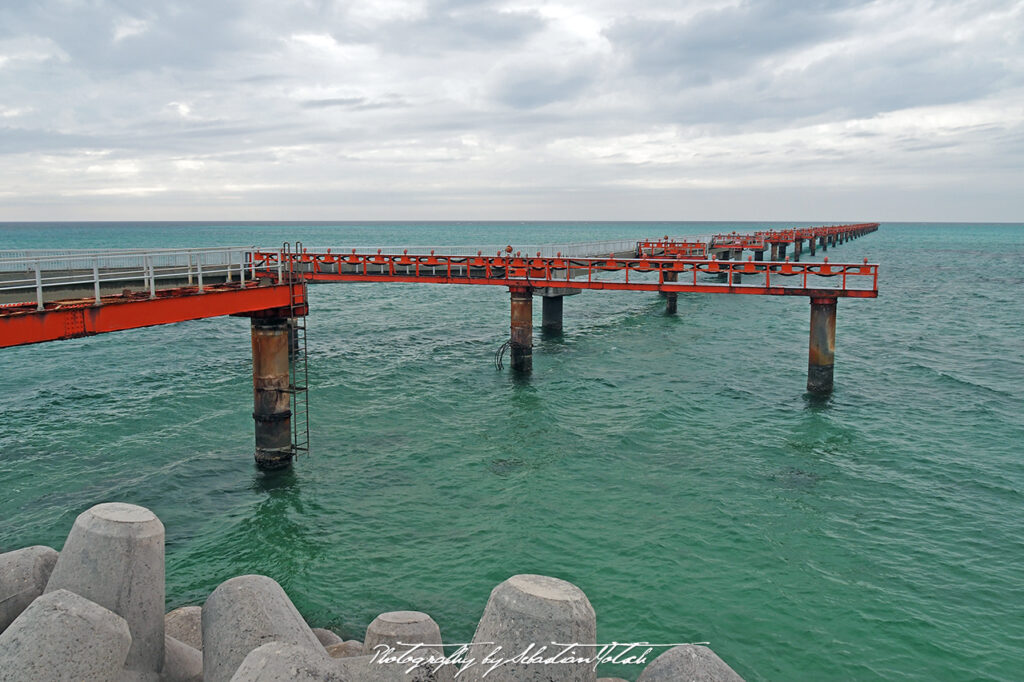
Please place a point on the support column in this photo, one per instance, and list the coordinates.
(759, 255)
(782, 252)
(737, 255)
(271, 400)
(671, 296)
(797, 248)
(821, 358)
(551, 313)
(522, 329)
(775, 252)
(813, 243)
(723, 276)
(824, 243)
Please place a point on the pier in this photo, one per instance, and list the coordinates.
(46, 296)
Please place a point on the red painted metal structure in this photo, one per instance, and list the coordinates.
(665, 265)
(271, 289)
(666, 247)
(753, 242)
(848, 280)
(22, 324)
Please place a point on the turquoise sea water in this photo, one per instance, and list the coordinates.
(672, 467)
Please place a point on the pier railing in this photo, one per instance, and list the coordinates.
(668, 274)
(28, 276)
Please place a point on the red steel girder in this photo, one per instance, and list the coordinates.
(607, 285)
(519, 270)
(20, 325)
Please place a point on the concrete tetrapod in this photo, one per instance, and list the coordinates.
(182, 663)
(23, 576)
(394, 668)
(64, 637)
(691, 662)
(398, 628)
(114, 556)
(245, 613)
(326, 637)
(276, 661)
(404, 632)
(348, 648)
(185, 624)
(535, 614)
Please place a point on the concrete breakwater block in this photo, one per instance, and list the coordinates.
(396, 628)
(62, 636)
(114, 556)
(23, 576)
(350, 647)
(276, 661)
(396, 633)
(182, 663)
(245, 613)
(688, 662)
(326, 637)
(525, 613)
(185, 624)
(373, 669)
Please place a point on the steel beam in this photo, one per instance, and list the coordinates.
(74, 319)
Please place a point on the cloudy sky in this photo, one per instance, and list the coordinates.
(512, 109)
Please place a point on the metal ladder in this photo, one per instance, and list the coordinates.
(298, 368)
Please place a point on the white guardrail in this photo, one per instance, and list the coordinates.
(34, 271)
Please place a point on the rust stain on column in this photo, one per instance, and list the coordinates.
(821, 357)
(271, 399)
(521, 339)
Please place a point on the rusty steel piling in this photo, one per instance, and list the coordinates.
(521, 339)
(271, 398)
(822, 346)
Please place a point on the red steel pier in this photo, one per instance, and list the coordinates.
(50, 295)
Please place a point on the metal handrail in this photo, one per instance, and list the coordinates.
(102, 268)
(521, 268)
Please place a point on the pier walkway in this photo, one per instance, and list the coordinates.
(64, 294)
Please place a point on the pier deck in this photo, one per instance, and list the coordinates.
(46, 296)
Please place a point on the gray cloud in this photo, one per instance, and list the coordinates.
(717, 43)
(396, 102)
